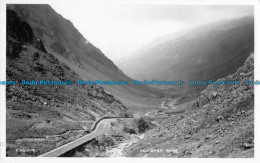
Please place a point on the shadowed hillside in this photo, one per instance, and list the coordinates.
(208, 52)
(42, 117)
(65, 42)
(220, 123)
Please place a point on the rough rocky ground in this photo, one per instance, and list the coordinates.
(122, 134)
(119, 150)
(42, 117)
(220, 124)
(63, 40)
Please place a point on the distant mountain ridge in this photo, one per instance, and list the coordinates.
(208, 52)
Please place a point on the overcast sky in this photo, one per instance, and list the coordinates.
(120, 29)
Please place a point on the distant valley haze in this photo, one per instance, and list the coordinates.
(98, 51)
(119, 30)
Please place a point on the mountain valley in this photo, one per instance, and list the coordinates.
(157, 121)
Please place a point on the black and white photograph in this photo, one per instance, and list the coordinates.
(125, 79)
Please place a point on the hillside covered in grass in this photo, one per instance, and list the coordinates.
(42, 117)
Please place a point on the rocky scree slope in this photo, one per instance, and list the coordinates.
(42, 117)
(221, 123)
(65, 42)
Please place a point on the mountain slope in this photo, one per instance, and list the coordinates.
(65, 42)
(208, 52)
(220, 124)
(42, 117)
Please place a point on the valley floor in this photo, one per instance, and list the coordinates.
(120, 149)
(220, 123)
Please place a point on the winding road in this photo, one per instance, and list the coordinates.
(165, 105)
(101, 128)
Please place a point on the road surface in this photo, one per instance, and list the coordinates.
(101, 128)
(165, 105)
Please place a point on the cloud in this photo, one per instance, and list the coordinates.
(120, 29)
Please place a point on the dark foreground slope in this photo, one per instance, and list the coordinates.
(65, 42)
(221, 124)
(42, 117)
(208, 52)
